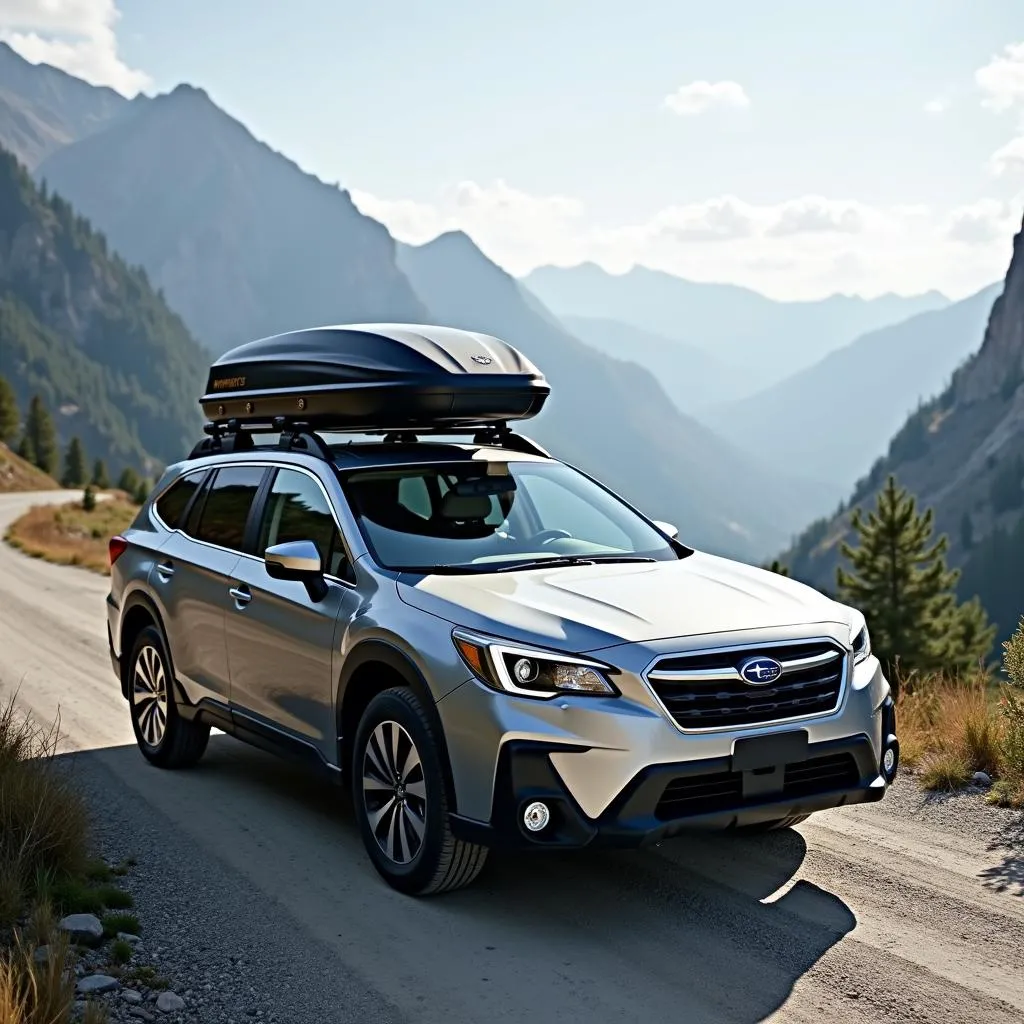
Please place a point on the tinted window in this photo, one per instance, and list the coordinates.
(298, 510)
(171, 505)
(227, 506)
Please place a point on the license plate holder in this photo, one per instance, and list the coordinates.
(779, 748)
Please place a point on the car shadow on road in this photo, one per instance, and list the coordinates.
(719, 925)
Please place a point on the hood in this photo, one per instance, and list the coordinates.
(586, 607)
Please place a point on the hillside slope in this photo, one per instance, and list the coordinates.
(243, 242)
(833, 418)
(611, 417)
(770, 339)
(694, 379)
(18, 475)
(963, 455)
(89, 334)
(43, 108)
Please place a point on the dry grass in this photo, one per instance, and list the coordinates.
(951, 727)
(68, 535)
(43, 820)
(18, 475)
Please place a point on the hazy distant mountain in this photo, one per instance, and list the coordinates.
(693, 378)
(961, 454)
(239, 238)
(831, 420)
(772, 340)
(43, 108)
(611, 417)
(89, 334)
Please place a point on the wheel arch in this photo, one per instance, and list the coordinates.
(372, 667)
(139, 612)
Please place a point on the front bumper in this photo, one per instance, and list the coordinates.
(666, 800)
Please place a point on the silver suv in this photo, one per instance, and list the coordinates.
(489, 647)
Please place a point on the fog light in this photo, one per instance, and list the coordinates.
(536, 816)
(889, 762)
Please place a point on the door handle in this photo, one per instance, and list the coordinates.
(165, 571)
(242, 595)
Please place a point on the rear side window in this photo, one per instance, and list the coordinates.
(171, 505)
(226, 508)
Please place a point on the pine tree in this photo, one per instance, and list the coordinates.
(777, 566)
(25, 449)
(142, 492)
(10, 418)
(128, 481)
(42, 437)
(75, 474)
(900, 580)
(88, 499)
(100, 477)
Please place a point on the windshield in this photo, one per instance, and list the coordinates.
(486, 516)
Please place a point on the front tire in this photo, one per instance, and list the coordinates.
(164, 737)
(398, 791)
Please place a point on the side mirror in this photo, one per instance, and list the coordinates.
(667, 528)
(298, 560)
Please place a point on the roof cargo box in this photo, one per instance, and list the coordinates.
(368, 377)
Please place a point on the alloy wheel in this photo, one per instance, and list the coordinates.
(149, 695)
(394, 792)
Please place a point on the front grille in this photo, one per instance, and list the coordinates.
(691, 795)
(706, 691)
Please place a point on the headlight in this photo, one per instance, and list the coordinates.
(861, 646)
(528, 672)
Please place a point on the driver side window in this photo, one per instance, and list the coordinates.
(297, 509)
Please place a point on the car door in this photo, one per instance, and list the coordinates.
(192, 577)
(281, 642)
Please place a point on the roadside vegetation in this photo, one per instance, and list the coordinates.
(73, 534)
(47, 872)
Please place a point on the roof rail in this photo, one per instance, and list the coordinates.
(297, 436)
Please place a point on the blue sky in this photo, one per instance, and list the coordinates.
(830, 147)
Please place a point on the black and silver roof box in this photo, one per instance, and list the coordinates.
(375, 377)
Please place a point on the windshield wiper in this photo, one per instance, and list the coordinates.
(557, 560)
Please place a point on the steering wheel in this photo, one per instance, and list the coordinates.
(547, 536)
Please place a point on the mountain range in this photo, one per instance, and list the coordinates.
(832, 419)
(962, 454)
(243, 244)
(89, 334)
(763, 340)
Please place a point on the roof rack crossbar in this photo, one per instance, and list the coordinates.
(297, 436)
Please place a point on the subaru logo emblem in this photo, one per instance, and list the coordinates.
(760, 671)
(483, 360)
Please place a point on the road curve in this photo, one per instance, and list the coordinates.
(902, 911)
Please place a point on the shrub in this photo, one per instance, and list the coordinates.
(43, 821)
(1010, 789)
(88, 499)
(948, 728)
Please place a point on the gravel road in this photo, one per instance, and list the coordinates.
(258, 901)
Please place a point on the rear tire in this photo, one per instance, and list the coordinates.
(164, 737)
(398, 791)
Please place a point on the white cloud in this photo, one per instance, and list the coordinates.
(1002, 79)
(980, 223)
(697, 97)
(1008, 159)
(811, 214)
(74, 35)
(935, 107)
(803, 247)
